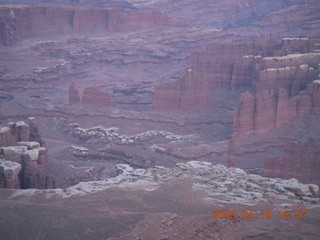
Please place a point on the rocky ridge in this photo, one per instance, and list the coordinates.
(221, 184)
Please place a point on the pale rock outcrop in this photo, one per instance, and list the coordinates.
(219, 183)
(25, 161)
(13, 133)
(9, 174)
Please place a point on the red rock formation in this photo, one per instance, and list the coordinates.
(23, 158)
(220, 66)
(146, 19)
(188, 93)
(245, 65)
(301, 161)
(15, 132)
(91, 96)
(27, 21)
(245, 71)
(216, 65)
(96, 97)
(74, 96)
(84, 19)
(119, 21)
(292, 72)
(272, 108)
(9, 174)
(297, 45)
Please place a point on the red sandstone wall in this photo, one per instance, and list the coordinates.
(74, 96)
(96, 97)
(28, 21)
(244, 65)
(91, 96)
(272, 108)
(220, 66)
(188, 93)
(301, 161)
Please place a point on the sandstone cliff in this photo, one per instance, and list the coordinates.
(74, 96)
(96, 97)
(19, 22)
(271, 109)
(300, 160)
(188, 93)
(290, 64)
(14, 133)
(23, 163)
(90, 96)
(222, 65)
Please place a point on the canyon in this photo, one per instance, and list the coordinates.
(151, 114)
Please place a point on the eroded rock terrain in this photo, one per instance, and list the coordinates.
(134, 110)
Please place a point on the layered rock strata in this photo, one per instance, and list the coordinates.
(259, 66)
(96, 97)
(9, 174)
(90, 96)
(188, 93)
(14, 133)
(271, 109)
(300, 160)
(74, 96)
(210, 70)
(28, 21)
(24, 162)
(18, 22)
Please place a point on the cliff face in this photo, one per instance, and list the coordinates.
(259, 66)
(293, 79)
(188, 93)
(28, 21)
(74, 96)
(119, 21)
(300, 160)
(21, 22)
(14, 133)
(222, 65)
(96, 97)
(271, 109)
(91, 96)
(23, 163)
